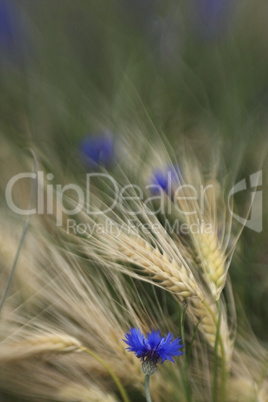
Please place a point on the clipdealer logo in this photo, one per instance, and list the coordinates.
(51, 198)
(255, 209)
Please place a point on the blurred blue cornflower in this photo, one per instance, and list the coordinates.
(11, 31)
(212, 17)
(98, 150)
(155, 348)
(165, 179)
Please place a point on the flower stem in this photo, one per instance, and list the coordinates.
(218, 342)
(110, 371)
(23, 235)
(147, 389)
(216, 323)
(215, 380)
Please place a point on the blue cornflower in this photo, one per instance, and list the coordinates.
(155, 348)
(98, 150)
(6, 24)
(12, 32)
(165, 179)
(213, 17)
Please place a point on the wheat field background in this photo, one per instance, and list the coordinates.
(163, 105)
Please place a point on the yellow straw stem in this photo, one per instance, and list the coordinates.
(110, 371)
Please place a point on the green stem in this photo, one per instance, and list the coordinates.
(215, 380)
(34, 186)
(147, 389)
(216, 323)
(182, 319)
(189, 354)
(110, 371)
(223, 360)
(12, 271)
(218, 340)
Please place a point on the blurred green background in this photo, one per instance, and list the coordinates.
(195, 68)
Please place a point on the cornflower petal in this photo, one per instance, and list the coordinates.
(154, 339)
(136, 342)
(170, 348)
(165, 179)
(155, 348)
(98, 150)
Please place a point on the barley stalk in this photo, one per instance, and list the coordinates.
(38, 345)
(164, 270)
(212, 260)
(246, 389)
(83, 393)
(179, 280)
(46, 344)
